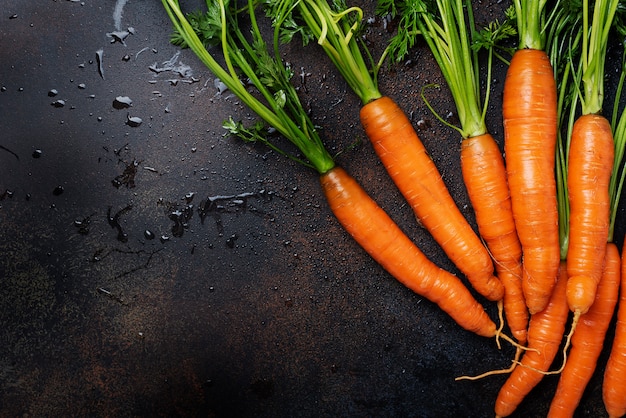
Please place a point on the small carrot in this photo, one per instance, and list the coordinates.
(370, 226)
(589, 172)
(485, 178)
(545, 333)
(587, 340)
(396, 143)
(530, 120)
(614, 383)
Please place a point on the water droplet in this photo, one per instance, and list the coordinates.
(58, 103)
(133, 121)
(53, 92)
(122, 102)
(82, 86)
(13, 16)
(58, 191)
(126, 57)
(148, 234)
(164, 239)
(99, 58)
(37, 153)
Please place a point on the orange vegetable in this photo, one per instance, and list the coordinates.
(530, 121)
(589, 172)
(372, 228)
(545, 333)
(588, 339)
(484, 175)
(399, 148)
(614, 384)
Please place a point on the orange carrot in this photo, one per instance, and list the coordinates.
(545, 333)
(530, 120)
(484, 175)
(614, 384)
(589, 172)
(372, 228)
(399, 148)
(588, 339)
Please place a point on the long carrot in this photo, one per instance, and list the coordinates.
(545, 333)
(590, 164)
(530, 120)
(370, 226)
(587, 340)
(614, 383)
(395, 141)
(380, 237)
(450, 39)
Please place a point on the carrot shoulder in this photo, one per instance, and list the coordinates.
(484, 175)
(588, 339)
(614, 384)
(372, 228)
(589, 172)
(545, 333)
(402, 153)
(530, 121)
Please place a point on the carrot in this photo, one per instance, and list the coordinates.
(397, 144)
(485, 178)
(590, 164)
(545, 333)
(587, 340)
(530, 120)
(384, 241)
(449, 33)
(370, 226)
(614, 383)
(589, 173)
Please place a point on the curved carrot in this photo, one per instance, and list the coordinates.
(589, 173)
(588, 339)
(614, 384)
(545, 333)
(530, 121)
(399, 148)
(372, 228)
(484, 175)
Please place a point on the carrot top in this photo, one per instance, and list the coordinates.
(531, 23)
(277, 102)
(336, 29)
(444, 27)
(594, 44)
(619, 135)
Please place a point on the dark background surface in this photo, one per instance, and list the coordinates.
(261, 307)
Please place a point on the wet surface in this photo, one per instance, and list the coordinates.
(151, 266)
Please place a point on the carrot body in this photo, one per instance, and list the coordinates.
(614, 384)
(484, 175)
(545, 333)
(530, 127)
(589, 172)
(402, 153)
(372, 228)
(588, 339)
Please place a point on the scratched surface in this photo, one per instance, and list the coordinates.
(151, 266)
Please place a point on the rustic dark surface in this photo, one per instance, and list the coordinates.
(118, 298)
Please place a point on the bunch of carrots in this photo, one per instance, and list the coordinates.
(544, 251)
